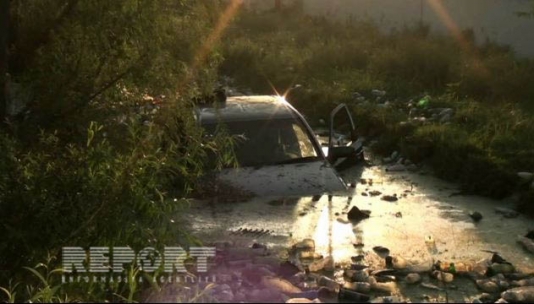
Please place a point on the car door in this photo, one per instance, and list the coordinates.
(343, 141)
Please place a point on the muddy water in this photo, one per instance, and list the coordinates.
(426, 210)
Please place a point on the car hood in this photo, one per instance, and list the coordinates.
(303, 179)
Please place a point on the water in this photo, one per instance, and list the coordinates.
(428, 224)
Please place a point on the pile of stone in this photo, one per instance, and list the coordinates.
(254, 274)
(397, 163)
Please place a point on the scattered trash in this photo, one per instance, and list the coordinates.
(390, 198)
(375, 193)
(424, 102)
(476, 216)
(381, 251)
(431, 244)
(356, 215)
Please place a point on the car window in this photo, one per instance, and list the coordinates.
(268, 142)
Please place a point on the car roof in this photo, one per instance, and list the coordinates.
(245, 108)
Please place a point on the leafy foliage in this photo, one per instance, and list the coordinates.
(107, 148)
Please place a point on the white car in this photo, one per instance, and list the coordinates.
(278, 153)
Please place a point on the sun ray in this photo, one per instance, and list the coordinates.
(454, 29)
(210, 42)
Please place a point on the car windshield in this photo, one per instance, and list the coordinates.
(269, 142)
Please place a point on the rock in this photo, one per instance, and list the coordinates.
(309, 294)
(358, 267)
(240, 297)
(396, 168)
(519, 295)
(264, 295)
(527, 243)
(516, 276)
(288, 269)
(356, 215)
(446, 111)
(378, 93)
(445, 118)
(443, 276)
(523, 282)
(375, 193)
(488, 286)
(363, 287)
(280, 285)
(399, 263)
(389, 198)
(226, 296)
(255, 274)
(383, 287)
(297, 278)
(525, 175)
(496, 268)
(360, 276)
(530, 235)
(327, 294)
(306, 244)
(488, 298)
(476, 216)
(508, 213)
(385, 300)
(357, 258)
(326, 263)
(309, 255)
(501, 300)
(413, 278)
(480, 269)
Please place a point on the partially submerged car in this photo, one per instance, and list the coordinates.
(277, 151)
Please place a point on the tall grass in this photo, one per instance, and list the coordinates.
(490, 136)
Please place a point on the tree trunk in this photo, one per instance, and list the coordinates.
(4, 30)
